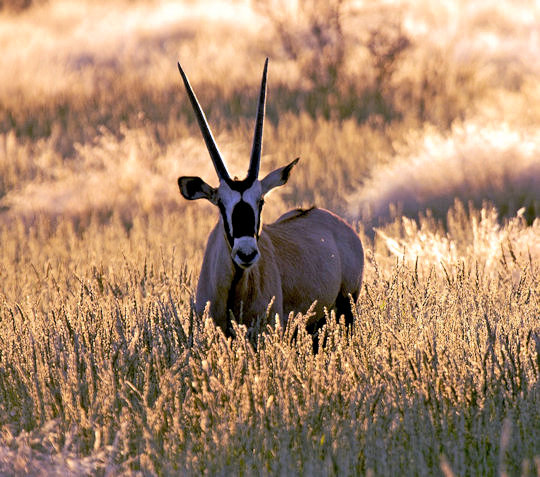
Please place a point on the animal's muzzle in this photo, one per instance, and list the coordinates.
(245, 252)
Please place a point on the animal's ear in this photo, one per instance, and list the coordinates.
(278, 177)
(195, 188)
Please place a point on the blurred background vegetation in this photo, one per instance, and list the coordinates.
(365, 92)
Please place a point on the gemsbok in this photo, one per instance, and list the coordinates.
(254, 271)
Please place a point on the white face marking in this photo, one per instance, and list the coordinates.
(253, 195)
(229, 198)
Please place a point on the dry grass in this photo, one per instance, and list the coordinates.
(104, 370)
(102, 361)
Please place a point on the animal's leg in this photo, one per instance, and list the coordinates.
(343, 306)
(313, 329)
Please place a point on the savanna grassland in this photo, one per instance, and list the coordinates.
(419, 122)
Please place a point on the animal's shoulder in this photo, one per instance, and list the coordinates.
(314, 214)
(294, 214)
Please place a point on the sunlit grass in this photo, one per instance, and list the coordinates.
(102, 358)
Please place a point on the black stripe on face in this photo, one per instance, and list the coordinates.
(243, 220)
(226, 223)
(239, 186)
(261, 203)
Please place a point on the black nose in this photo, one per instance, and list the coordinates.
(246, 257)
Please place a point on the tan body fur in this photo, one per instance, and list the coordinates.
(305, 256)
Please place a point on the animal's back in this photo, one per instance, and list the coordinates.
(320, 257)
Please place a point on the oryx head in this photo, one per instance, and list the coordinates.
(240, 201)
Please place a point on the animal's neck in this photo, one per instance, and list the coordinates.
(242, 283)
(238, 273)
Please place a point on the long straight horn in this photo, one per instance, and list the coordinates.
(205, 130)
(255, 161)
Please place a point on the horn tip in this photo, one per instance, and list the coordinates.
(184, 77)
(180, 69)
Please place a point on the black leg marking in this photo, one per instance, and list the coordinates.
(343, 307)
(313, 330)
